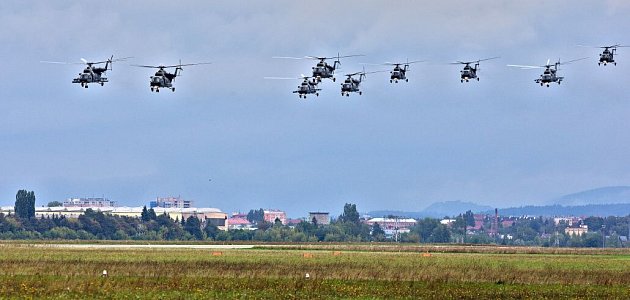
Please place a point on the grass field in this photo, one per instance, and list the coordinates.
(336, 271)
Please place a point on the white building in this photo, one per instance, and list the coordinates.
(89, 202)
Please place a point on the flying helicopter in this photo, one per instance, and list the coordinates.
(551, 71)
(608, 55)
(398, 73)
(322, 69)
(351, 84)
(470, 72)
(91, 73)
(164, 79)
(308, 86)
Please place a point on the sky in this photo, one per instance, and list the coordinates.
(228, 138)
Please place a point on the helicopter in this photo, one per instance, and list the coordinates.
(470, 72)
(91, 73)
(398, 73)
(608, 55)
(351, 84)
(550, 74)
(323, 69)
(164, 79)
(306, 87)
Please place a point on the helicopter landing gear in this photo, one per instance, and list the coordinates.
(406, 80)
(317, 94)
(173, 89)
(347, 94)
(334, 79)
(390, 81)
(396, 81)
(547, 85)
(477, 78)
(360, 93)
(462, 80)
(615, 63)
(102, 83)
(85, 86)
(466, 80)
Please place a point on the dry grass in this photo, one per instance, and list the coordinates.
(336, 272)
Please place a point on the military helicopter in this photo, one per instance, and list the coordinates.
(164, 79)
(91, 73)
(398, 73)
(306, 87)
(351, 84)
(550, 74)
(322, 69)
(608, 55)
(470, 72)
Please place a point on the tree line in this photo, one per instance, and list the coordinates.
(347, 227)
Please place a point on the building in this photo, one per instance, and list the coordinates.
(239, 221)
(321, 218)
(576, 230)
(89, 202)
(273, 214)
(206, 215)
(447, 222)
(393, 226)
(171, 202)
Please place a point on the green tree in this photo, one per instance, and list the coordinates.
(350, 214)
(193, 226)
(54, 204)
(377, 232)
(25, 204)
(144, 215)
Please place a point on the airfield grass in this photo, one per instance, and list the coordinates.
(65, 273)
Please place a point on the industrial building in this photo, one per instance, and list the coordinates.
(321, 218)
(171, 202)
(210, 215)
(89, 202)
(272, 214)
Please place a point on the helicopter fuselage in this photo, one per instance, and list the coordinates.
(324, 70)
(607, 57)
(306, 88)
(468, 73)
(162, 79)
(350, 85)
(398, 74)
(549, 76)
(91, 75)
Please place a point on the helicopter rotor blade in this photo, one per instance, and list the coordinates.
(288, 57)
(488, 58)
(281, 78)
(146, 66)
(524, 67)
(184, 65)
(337, 57)
(570, 61)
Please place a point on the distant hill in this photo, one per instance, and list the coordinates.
(603, 195)
(435, 210)
(453, 208)
(602, 210)
(398, 213)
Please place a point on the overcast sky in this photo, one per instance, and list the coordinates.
(502, 141)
